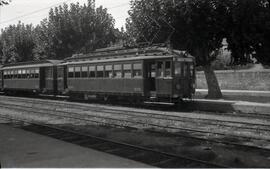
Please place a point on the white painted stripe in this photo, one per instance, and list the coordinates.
(236, 91)
(102, 60)
(161, 103)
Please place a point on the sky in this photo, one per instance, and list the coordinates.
(33, 11)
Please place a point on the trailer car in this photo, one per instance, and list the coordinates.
(31, 77)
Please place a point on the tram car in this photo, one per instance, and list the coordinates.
(31, 77)
(153, 73)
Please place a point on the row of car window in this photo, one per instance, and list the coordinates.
(106, 71)
(130, 70)
(21, 73)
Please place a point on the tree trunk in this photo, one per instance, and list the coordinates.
(214, 91)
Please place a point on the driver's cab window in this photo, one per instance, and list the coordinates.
(177, 69)
(160, 72)
(153, 70)
(168, 69)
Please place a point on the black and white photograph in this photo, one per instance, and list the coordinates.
(134, 84)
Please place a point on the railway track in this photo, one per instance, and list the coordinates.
(256, 127)
(157, 115)
(59, 101)
(133, 124)
(137, 153)
(152, 116)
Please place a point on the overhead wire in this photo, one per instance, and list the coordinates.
(33, 12)
(37, 11)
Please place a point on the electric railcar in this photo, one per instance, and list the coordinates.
(156, 74)
(148, 74)
(31, 77)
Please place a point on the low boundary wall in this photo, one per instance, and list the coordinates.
(238, 80)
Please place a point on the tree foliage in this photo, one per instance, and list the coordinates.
(17, 43)
(248, 31)
(68, 29)
(198, 24)
(74, 28)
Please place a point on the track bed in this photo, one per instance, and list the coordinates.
(224, 139)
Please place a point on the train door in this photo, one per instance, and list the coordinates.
(49, 79)
(55, 82)
(1, 81)
(42, 79)
(186, 77)
(61, 78)
(150, 78)
(191, 77)
(164, 78)
(185, 80)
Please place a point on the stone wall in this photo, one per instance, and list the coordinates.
(239, 80)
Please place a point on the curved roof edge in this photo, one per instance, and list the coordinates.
(42, 63)
(128, 52)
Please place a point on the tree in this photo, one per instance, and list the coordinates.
(73, 29)
(68, 29)
(2, 2)
(17, 43)
(42, 39)
(199, 26)
(248, 33)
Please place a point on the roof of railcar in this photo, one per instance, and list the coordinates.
(116, 60)
(125, 54)
(42, 63)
